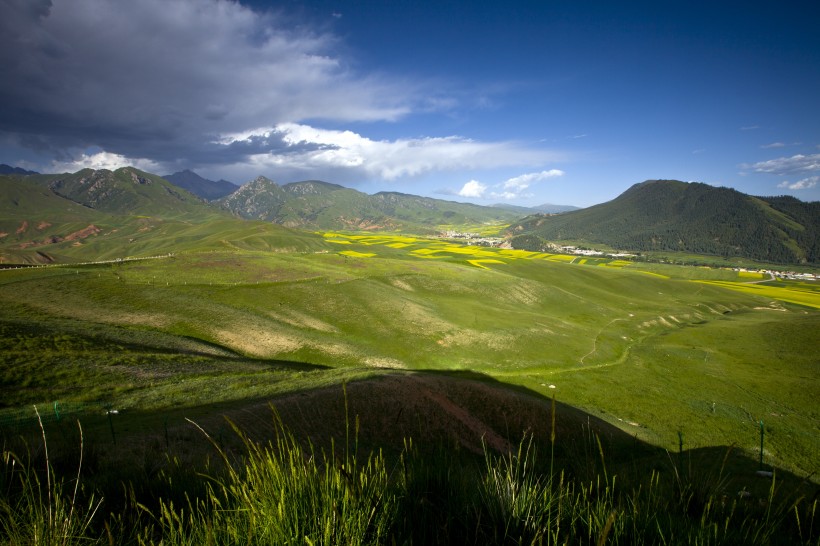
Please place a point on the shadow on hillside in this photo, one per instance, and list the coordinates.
(459, 414)
(221, 353)
(463, 412)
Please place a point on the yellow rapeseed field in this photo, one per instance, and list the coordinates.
(809, 298)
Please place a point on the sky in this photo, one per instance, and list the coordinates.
(522, 102)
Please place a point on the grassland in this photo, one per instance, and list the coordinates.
(641, 345)
(667, 357)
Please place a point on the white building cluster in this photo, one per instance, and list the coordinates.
(788, 275)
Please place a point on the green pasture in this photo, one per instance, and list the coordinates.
(258, 315)
(141, 236)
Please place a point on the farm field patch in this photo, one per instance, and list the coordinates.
(799, 293)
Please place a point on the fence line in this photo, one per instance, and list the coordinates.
(97, 262)
(22, 419)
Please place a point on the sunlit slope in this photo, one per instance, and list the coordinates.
(318, 302)
(325, 303)
(150, 237)
(652, 354)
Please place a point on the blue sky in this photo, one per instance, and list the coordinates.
(518, 102)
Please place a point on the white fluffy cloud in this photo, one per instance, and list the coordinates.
(786, 165)
(516, 187)
(510, 189)
(104, 160)
(310, 149)
(473, 189)
(524, 181)
(803, 184)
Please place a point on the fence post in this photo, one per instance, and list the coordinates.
(111, 425)
(680, 453)
(762, 433)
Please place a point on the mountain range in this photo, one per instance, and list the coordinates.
(315, 204)
(211, 190)
(8, 169)
(66, 217)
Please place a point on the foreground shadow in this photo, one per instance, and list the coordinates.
(463, 415)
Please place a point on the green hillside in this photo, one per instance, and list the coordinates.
(33, 219)
(668, 215)
(105, 215)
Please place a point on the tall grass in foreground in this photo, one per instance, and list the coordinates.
(37, 513)
(285, 492)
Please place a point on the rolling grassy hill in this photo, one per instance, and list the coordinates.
(690, 217)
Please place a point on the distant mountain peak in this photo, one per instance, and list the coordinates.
(258, 199)
(207, 189)
(262, 180)
(8, 169)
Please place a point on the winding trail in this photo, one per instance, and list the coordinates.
(595, 341)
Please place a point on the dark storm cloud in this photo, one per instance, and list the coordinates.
(163, 79)
(271, 144)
